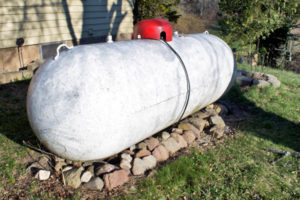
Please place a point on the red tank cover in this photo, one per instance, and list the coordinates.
(153, 29)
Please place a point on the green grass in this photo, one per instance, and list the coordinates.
(240, 168)
(236, 169)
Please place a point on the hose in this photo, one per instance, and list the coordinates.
(188, 84)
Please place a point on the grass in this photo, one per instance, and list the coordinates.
(236, 169)
(240, 168)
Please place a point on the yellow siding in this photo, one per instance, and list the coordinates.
(40, 21)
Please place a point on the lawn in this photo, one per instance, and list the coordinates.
(239, 168)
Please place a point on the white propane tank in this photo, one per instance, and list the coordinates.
(94, 101)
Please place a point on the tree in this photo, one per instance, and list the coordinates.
(146, 9)
(251, 21)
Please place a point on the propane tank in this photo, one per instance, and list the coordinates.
(95, 100)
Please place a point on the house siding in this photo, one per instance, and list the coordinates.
(40, 22)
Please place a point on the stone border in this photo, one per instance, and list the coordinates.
(201, 129)
(245, 78)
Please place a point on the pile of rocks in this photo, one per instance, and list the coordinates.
(245, 78)
(201, 129)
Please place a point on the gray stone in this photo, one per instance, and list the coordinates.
(126, 156)
(149, 162)
(72, 177)
(217, 131)
(43, 175)
(142, 145)
(86, 176)
(106, 168)
(217, 120)
(171, 145)
(95, 183)
(165, 135)
(243, 81)
(181, 141)
(273, 80)
(138, 167)
(45, 162)
(261, 83)
(133, 147)
(125, 164)
(160, 153)
(202, 114)
(199, 123)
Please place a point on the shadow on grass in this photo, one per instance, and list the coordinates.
(263, 124)
(15, 126)
(14, 123)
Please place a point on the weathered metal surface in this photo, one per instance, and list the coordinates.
(97, 100)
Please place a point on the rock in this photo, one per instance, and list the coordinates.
(115, 179)
(138, 167)
(87, 163)
(165, 135)
(33, 168)
(211, 111)
(221, 109)
(45, 162)
(275, 83)
(106, 168)
(202, 115)
(243, 81)
(211, 106)
(43, 175)
(177, 130)
(91, 168)
(133, 147)
(126, 156)
(189, 127)
(125, 164)
(261, 83)
(217, 131)
(171, 145)
(270, 76)
(67, 168)
(181, 141)
(160, 153)
(59, 165)
(129, 152)
(217, 120)
(142, 145)
(273, 80)
(149, 162)
(95, 183)
(189, 136)
(142, 153)
(77, 163)
(86, 176)
(200, 124)
(72, 177)
(242, 72)
(152, 143)
(59, 159)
